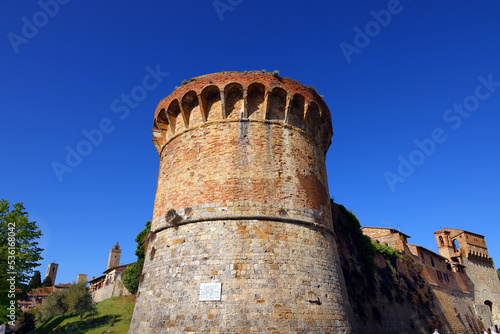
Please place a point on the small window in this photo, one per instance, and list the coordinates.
(422, 256)
(441, 241)
(440, 275)
(432, 261)
(446, 277)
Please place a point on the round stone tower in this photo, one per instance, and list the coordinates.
(242, 238)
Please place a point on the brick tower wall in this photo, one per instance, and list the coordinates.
(242, 200)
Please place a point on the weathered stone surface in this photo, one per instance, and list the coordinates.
(242, 200)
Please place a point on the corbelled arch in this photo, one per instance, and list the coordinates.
(233, 94)
(211, 100)
(276, 104)
(295, 115)
(255, 98)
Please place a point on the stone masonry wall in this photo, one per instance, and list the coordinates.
(486, 286)
(113, 289)
(276, 278)
(457, 308)
(242, 200)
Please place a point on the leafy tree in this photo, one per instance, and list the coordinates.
(55, 304)
(498, 273)
(47, 281)
(131, 276)
(77, 299)
(19, 252)
(81, 301)
(36, 281)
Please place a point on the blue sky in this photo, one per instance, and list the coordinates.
(394, 74)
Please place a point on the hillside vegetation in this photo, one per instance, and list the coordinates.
(113, 315)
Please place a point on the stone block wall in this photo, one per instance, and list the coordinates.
(486, 287)
(113, 289)
(276, 278)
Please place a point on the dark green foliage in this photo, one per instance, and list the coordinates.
(19, 251)
(498, 273)
(363, 243)
(36, 281)
(131, 275)
(47, 281)
(25, 322)
(276, 73)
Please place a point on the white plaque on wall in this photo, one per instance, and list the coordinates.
(210, 291)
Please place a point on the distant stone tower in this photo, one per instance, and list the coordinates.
(242, 236)
(52, 272)
(114, 256)
(82, 278)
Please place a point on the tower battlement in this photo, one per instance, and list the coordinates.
(235, 96)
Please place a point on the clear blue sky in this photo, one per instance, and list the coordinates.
(393, 83)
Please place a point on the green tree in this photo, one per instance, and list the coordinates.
(19, 252)
(36, 281)
(131, 276)
(498, 273)
(47, 281)
(80, 300)
(55, 304)
(77, 299)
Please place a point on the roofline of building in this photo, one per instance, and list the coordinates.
(459, 230)
(388, 228)
(116, 267)
(427, 249)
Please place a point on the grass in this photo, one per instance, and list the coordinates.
(113, 315)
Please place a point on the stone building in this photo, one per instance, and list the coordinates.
(110, 283)
(388, 236)
(467, 251)
(242, 237)
(462, 276)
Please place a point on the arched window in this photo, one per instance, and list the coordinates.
(441, 241)
(489, 304)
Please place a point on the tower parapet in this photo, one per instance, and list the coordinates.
(242, 203)
(234, 97)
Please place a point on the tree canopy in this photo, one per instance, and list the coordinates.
(19, 252)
